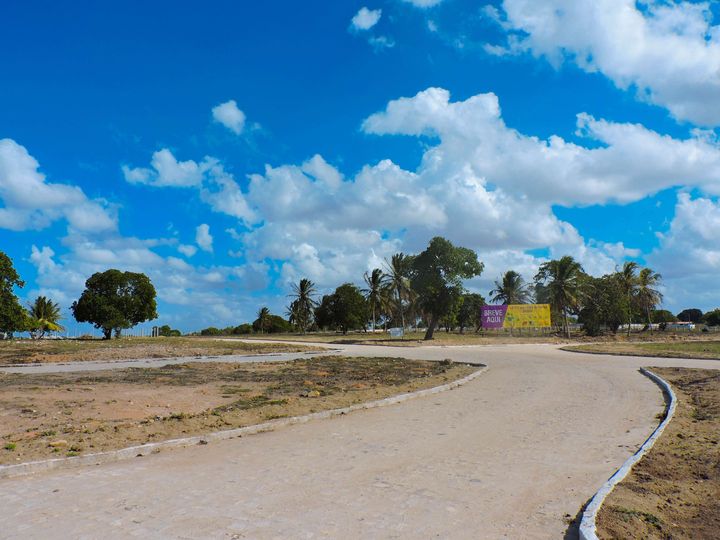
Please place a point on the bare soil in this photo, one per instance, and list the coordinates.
(674, 491)
(79, 350)
(66, 414)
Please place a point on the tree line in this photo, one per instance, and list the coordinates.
(424, 290)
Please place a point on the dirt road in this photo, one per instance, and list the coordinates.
(506, 456)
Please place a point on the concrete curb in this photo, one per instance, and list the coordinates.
(21, 469)
(588, 529)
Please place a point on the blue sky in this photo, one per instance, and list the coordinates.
(229, 149)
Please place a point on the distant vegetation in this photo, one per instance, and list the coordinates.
(425, 291)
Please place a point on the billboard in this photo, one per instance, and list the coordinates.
(516, 316)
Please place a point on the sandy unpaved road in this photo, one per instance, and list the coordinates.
(506, 456)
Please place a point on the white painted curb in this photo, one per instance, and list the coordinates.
(9, 471)
(588, 530)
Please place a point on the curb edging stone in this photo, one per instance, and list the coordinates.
(588, 526)
(22, 469)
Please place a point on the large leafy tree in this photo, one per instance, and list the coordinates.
(115, 300)
(437, 278)
(303, 305)
(13, 317)
(561, 281)
(690, 315)
(348, 308)
(647, 294)
(712, 318)
(604, 304)
(512, 289)
(375, 281)
(44, 317)
(323, 313)
(470, 312)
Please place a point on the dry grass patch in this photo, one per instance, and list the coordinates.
(674, 491)
(46, 415)
(30, 351)
(688, 348)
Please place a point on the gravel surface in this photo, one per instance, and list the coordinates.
(512, 454)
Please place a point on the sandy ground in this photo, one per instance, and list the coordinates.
(673, 492)
(30, 351)
(51, 415)
(513, 454)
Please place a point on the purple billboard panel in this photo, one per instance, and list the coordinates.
(493, 316)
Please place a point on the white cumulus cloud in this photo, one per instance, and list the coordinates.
(30, 202)
(203, 237)
(187, 250)
(168, 171)
(366, 18)
(667, 52)
(229, 115)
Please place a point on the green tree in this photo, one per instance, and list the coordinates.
(45, 317)
(437, 276)
(662, 316)
(647, 294)
(12, 316)
(348, 308)
(398, 282)
(470, 312)
(301, 309)
(629, 282)
(511, 290)
(562, 280)
(262, 322)
(115, 300)
(604, 304)
(323, 313)
(166, 331)
(271, 324)
(690, 315)
(712, 318)
(374, 291)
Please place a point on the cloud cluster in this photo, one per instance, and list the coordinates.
(423, 4)
(189, 296)
(229, 115)
(365, 18)
(30, 202)
(668, 52)
(166, 171)
(689, 253)
(622, 162)
(480, 183)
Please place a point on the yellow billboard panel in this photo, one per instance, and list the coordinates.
(527, 316)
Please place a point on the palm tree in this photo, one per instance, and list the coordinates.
(398, 280)
(562, 279)
(44, 317)
(628, 282)
(647, 295)
(304, 303)
(373, 293)
(512, 289)
(263, 318)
